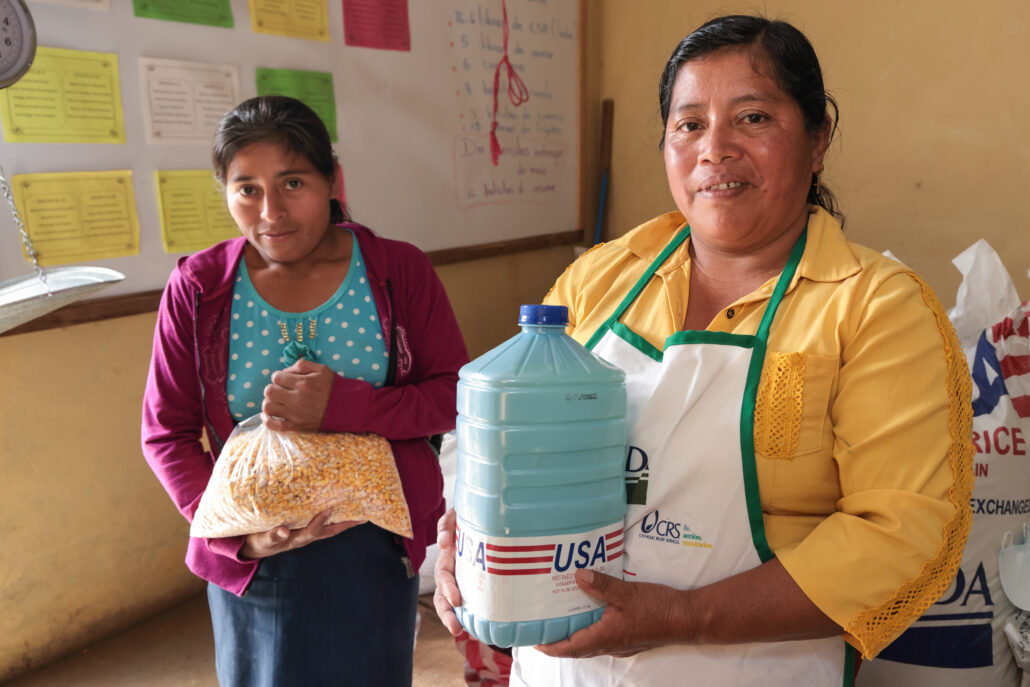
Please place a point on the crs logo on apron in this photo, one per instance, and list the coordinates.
(657, 528)
(636, 476)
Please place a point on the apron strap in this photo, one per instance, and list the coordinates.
(781, 286)
(639, 286)
(770, 311)
(747, 414)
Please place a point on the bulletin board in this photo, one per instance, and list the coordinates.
(412, 86)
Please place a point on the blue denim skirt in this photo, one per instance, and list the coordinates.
(340, 611)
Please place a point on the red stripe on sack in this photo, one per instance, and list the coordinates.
(1024, 327)
(472, 654)
(510, 549)
(503, 662)
(627, 572)
(614, 556)
(613, 545)
(1003, 330)
(613, 534)
(1022, 406)
(1015, 365)
(501, 559)
(531, 571)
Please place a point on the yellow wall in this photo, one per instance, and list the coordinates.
(928, 159)
(90, 541)
(932, 152)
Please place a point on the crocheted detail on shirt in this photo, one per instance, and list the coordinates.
(778, 407)
(878, 627)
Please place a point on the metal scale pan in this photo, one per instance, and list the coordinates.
(28, 297)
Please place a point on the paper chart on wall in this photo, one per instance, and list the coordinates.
(380, 24)
(314, 89)
(79, 216)
(69, 96)
(184, 101)
(307, 19)
(192, 209)
(207, 12)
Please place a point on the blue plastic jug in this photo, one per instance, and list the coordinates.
(540, 490)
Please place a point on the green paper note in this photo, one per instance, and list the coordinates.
(207, 12)
(314, 89)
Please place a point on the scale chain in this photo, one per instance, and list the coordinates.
(5, 189)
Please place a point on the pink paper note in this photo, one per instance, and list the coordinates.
(381, 24)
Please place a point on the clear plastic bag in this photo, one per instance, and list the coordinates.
(264, 479)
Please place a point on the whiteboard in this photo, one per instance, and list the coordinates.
(413, 127)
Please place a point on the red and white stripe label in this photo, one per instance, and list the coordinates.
(1011, 339)
(511, 579)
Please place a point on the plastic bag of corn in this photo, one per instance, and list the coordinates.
(264, 479)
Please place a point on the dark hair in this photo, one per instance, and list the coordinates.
(795, 68)
(285, 121)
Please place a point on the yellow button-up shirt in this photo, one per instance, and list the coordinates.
(862, 423)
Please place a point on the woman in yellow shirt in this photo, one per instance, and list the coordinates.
(802, 402)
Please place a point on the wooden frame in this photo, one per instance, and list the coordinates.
(96, 309)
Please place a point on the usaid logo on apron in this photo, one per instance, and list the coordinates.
(636, 476)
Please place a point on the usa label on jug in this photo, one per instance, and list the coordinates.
(513, 579)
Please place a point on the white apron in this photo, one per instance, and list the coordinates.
(694, 515)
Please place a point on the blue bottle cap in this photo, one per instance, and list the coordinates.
(544, 314)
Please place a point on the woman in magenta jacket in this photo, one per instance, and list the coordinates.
(325, 603)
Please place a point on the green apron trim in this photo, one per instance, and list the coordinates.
(706, 337)
(636, 341)
(747, 414)
(749, 465)
(639, 286)
(849, 666)
(687, 337)
(793, 260)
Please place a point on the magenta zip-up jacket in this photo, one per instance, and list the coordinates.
(186, 388)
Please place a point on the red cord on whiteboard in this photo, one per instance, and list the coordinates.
(517, 92)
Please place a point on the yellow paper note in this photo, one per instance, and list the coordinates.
(78, 216)
(193, 212)
(307, 19)
(68, 96)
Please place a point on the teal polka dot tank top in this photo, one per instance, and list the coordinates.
(343, 333)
